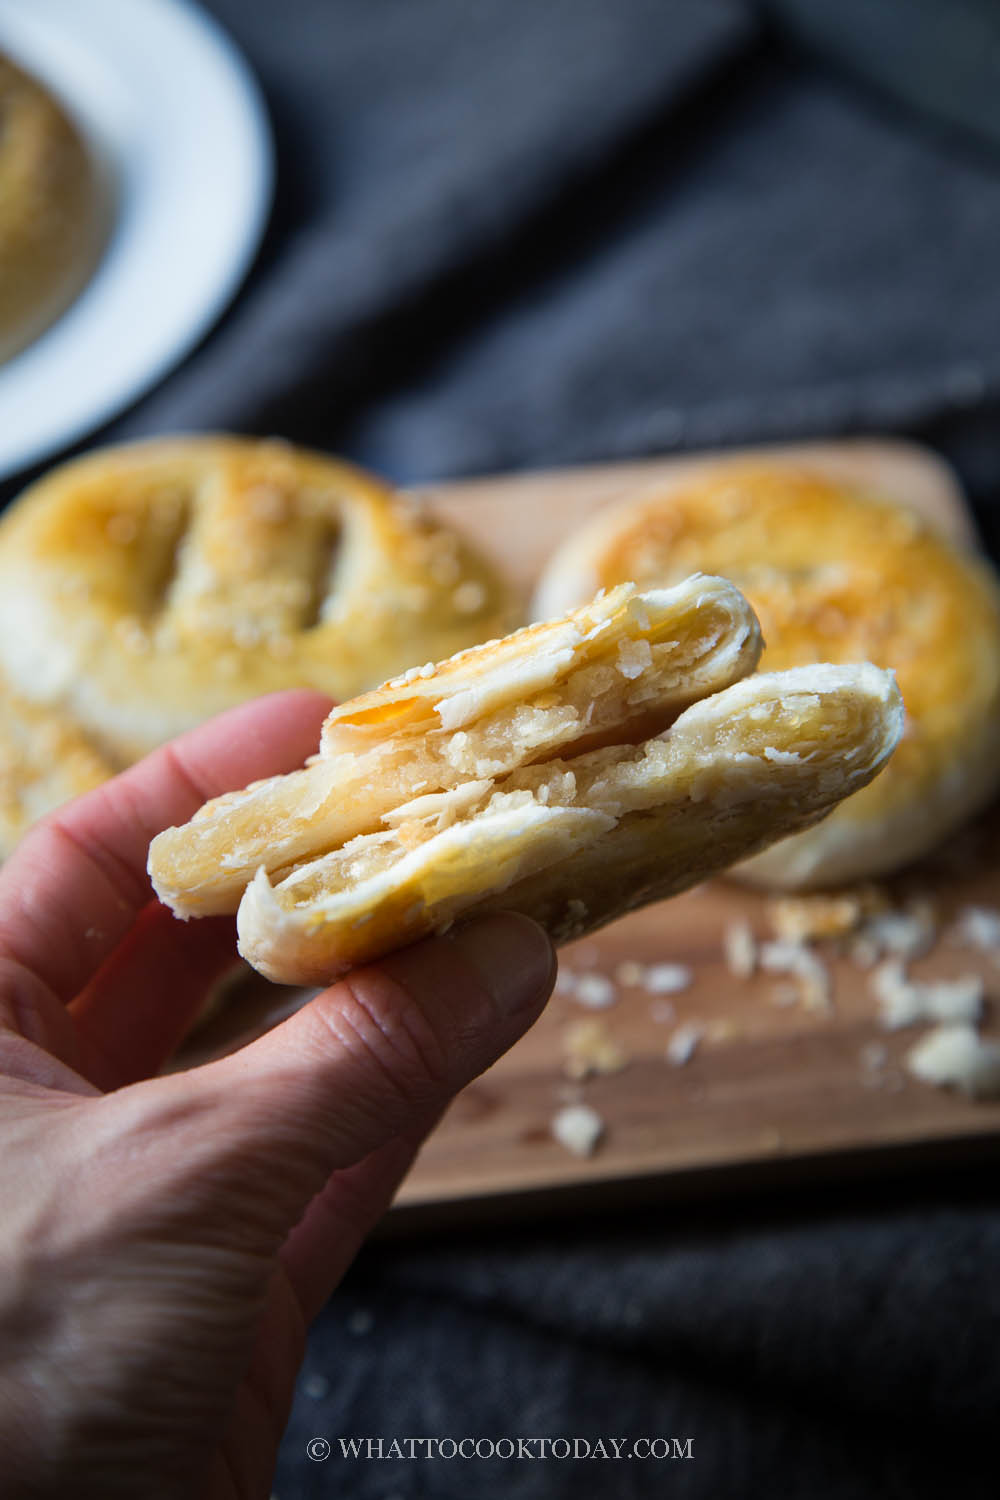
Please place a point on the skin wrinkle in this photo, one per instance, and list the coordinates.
(62, 944)
(158, 1018)
(129, 888)
(254, 1141)
(396, 1016)
(20, 1011)
(341, 1214)
(351, 1208)
(202, 1192)
(34, 1065)
(372, 1076)
(197, 782)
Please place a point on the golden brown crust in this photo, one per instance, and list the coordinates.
(52, 209)
(145, 588)
(834, 575)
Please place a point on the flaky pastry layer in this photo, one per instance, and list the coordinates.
(576, 842)
(618, 669)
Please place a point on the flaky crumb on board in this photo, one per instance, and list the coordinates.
(578, 1128)
(739, 947)
(955, 1056)
(684, 1042)
(905, 1002)
(590, 1049)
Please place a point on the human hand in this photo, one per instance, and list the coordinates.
(165, 1241)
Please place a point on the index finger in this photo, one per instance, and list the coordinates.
(75, 884)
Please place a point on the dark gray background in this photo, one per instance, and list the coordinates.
(515, 232)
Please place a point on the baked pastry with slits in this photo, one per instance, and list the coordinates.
(53, 209)
(835, 575)
(574, 771)
(145, 588)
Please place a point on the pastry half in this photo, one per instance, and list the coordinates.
(835, 574)
(623, 666)
(573, 771)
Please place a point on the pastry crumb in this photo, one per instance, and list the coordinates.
(903, 934)
(977, 927)
(595, 991)
(904, 1002)
(683, 1044)
(578, 1128)
(739, 948)
(656, 979)
(667, 979)
(798, 918)
(806, 968)
(955, 1056)
(590, 1049)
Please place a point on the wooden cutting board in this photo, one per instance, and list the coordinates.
(773, 1089)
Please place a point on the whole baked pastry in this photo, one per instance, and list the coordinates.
(145, 588)
(574, 771)
(53, 209)
(839, 575)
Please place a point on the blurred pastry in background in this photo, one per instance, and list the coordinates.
(147, 587)
(54, 209)
(45, 759)
(834, 575)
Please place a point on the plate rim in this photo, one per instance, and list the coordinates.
(35, 40)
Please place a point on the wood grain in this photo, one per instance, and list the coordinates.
(520, 519)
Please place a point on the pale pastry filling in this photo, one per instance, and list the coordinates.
(703, 760)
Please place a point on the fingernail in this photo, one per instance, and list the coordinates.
(513, 957)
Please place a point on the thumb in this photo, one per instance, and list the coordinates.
(376, 1056)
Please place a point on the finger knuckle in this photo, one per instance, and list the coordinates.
(391, 1044)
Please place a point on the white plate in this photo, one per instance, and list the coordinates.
(176, 116)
